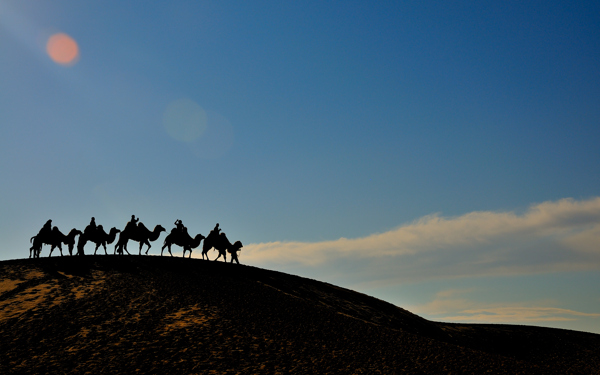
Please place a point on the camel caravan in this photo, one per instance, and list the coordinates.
(135, 231)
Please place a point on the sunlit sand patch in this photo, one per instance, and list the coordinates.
(30, 299)
(189, 316)
(82, 291)
(84, 332)
(15, 277)
(8, 285)
(33, 274)
(43, 295)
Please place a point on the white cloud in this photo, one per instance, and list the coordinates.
(551, 236)
(453, 306)
(518, 314)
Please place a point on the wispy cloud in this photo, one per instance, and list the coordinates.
(455, 306)
(550, 236)
(516, 314)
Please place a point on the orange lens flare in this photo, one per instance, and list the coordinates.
(62, 49)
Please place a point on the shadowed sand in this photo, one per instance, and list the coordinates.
(111, 314)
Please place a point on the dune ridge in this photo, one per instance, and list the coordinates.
(151, 314)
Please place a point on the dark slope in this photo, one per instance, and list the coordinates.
(109, 314)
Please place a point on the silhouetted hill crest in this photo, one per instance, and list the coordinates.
(161, 314)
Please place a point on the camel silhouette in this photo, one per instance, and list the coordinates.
(54, 238)
(97, 236)
(183, 239)
(221, 243)
(137, 233)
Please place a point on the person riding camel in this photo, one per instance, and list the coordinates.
(213, 235)
(46, 229)
(179, 225)
(91, 228)
(132, 224)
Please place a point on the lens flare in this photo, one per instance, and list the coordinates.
(184, 120)
(62, 49)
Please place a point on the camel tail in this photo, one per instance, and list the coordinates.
(31, 239)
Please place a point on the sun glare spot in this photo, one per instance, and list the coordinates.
(62, 49)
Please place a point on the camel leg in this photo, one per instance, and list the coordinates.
(51, 250)
(104, 246)
(124, 247)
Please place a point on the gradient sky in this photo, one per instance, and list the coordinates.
(442, 156)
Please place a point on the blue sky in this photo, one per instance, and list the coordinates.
(441, 156)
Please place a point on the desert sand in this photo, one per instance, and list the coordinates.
(151, 314)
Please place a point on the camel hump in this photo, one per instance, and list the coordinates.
(141, 225)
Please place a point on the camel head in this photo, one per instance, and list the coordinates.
(113, 230)
(237, 246)
(75, 232)
(159, 228)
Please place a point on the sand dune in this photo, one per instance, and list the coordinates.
(111, 314)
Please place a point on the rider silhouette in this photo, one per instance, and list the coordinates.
(179, 225)
(46, 229)
(132, 224)
(91, 228)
